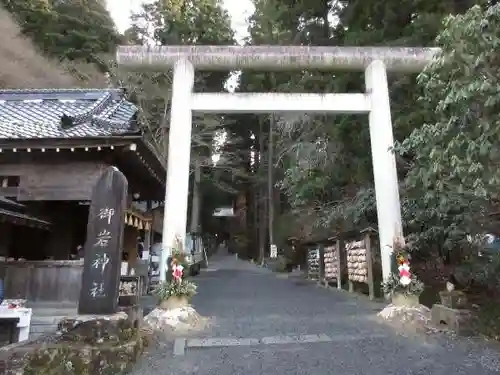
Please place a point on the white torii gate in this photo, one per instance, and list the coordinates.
(375, 61)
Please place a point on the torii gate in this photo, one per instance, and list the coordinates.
(375, 61)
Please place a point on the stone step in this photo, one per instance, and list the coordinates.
(35, 335)
(44, 320)
(43, 328)
(54, 312)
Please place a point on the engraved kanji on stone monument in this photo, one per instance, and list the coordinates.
(103, 246)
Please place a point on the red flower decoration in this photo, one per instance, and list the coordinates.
(404, 273)
(177, 273)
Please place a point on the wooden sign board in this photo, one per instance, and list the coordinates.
(103, 246)
(359, 264)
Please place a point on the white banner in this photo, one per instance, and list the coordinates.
(274, 251)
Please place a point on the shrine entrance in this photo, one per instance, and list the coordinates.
(374, 61)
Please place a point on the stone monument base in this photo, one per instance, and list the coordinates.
(69, 323)
(87, 344)
(174, 302)
(458, 320)
(399, 299)
(418, 315)
(134, 313)
(178, 319)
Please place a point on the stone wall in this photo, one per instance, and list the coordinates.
(95, 345)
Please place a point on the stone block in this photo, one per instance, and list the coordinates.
(174, 302)
(78, 358)
(70, 322)
(99, 330)
(458, 320)
(134, 313)
(454, 299)
(399, 299)
(83, 345)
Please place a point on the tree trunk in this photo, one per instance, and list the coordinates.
(262, 196)
(270, 181)
(196, 203)
(256, 213)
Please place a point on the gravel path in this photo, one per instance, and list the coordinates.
(335, 333)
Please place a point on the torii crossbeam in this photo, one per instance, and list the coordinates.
(374, 61)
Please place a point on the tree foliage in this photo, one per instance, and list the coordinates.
(176, 22)
(179, 23)
(454, 179)
(67, 30)
(23, 65)
(73, 33)
(82, 34)
(444, 120)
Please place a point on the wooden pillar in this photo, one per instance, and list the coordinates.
(339, 248)
(369, 265)
(321, 274)
(6, 238)
(130, 245)
(148, 229)
(61, 238)
(147, 238)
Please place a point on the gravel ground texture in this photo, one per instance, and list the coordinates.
(245, 301)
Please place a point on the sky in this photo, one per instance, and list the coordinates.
(239, 11)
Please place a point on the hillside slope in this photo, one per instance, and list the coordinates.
(23, 66)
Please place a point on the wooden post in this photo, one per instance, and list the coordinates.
(130, 246)
(347, 248)
(148, 230)
(339, 244)
(369, 265)
(103, 247)
(321, 276)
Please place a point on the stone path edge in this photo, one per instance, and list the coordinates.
(181, 344)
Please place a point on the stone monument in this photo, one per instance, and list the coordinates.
(99, 339)
(103, 247)
(452, 312)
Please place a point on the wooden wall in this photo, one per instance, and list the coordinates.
(43, 281)
(157, 225)
(63, 181)
(5, 238)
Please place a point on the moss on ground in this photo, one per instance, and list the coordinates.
(84, 359)
(99, 346)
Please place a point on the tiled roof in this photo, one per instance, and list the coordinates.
(72, 113)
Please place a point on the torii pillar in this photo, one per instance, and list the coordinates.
(374, 61)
